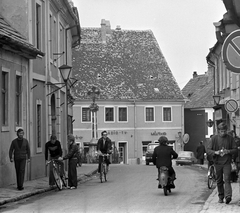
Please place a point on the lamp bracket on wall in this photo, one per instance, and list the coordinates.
(57, 54)
(56, 89)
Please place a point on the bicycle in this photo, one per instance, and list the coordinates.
(211, 176)
(60, 180)
(103, 168)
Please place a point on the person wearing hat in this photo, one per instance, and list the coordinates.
(162, 156)
(72, 161)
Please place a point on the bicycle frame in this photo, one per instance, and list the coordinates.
(103, 168)
(60, 180)
(211, 176)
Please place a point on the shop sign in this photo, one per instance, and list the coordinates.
(155, 133)
(115, 132)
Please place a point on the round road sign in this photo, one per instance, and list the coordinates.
(231, 105)
(185, 138)
(231, 51)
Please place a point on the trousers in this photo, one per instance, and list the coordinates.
(223, 173)
(20, 171)
(72, 172)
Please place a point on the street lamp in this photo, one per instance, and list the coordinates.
(93, 93)
(216, 99)
(65, 71)
(210, 123)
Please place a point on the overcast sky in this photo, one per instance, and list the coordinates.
(183, 28)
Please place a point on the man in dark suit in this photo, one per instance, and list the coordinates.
(162, 156)
(21, 151)
(104, 146)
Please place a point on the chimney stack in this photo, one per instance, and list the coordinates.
(105, 30)
(195, 74)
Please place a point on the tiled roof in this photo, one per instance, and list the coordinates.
(130, 65)
(12, 40)
(199, 92)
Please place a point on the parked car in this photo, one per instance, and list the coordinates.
(186, 158)
(149, 152)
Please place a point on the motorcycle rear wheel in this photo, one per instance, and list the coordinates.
(165, 190)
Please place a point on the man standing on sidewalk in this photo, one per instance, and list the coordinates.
(20, 149)
(222, 147)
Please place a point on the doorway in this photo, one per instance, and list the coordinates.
(122, 148)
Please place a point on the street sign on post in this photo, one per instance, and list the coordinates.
(231, 105)
(231, 51)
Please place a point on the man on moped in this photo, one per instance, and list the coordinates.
(162, 156)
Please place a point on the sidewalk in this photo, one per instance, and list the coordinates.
(11, 194)
(212, 206)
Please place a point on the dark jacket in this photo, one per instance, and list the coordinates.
(19, 153)
(72, 152)
(217, 143)
(163, 155)
(200, 151)
(54, 149)
(106, 147)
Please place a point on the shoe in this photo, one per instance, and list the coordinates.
(69, 187)
(20, 188)
(51, 186)
(228, 200)
(159, 186)
(73, 187)
(171, 184)
(220, 200)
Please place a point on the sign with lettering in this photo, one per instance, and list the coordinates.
(158, 133)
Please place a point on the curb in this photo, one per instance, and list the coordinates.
(40, 191)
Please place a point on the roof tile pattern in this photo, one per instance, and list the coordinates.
(129, 65)
(199, 91)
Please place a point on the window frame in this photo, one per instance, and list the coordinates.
(145, 114)
(85, 107)
(5, 124)
(39, 143)
(38, 24)
(167, 107)
(113, 121)
(118, 115)
(18, 100)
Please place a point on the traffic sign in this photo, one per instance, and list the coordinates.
(185, 138)
(231, 51)
(231, 105)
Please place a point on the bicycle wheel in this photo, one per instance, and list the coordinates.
(105, 172)
(64, 181)
(210, 177)
(57, 178)
(101, 173)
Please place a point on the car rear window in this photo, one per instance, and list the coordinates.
(185, 154)
(152, 146)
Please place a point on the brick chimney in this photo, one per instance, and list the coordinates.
(195, 74)
(105, 30)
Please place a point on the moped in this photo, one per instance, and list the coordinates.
(164, 179)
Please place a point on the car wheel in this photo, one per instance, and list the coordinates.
(177, 164)
(147, 163)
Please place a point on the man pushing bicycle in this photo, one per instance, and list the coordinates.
(104, 146)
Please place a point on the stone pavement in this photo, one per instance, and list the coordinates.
(212, 206)
(33, 187)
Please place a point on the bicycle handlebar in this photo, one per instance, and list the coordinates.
(48, 162)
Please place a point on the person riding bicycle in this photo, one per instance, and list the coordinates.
(104, 146)
(162, 156)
